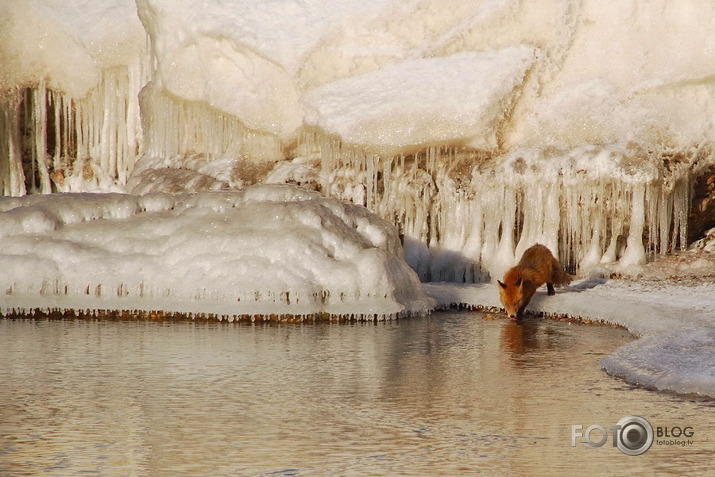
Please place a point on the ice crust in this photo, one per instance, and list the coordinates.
(264, 250)
(429, 113)
(67, 43)
(391, 75)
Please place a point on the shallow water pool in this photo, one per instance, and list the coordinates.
(450, 394)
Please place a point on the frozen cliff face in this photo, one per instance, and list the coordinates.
(476, 127)
(467, 216)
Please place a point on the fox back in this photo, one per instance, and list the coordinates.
(536, 267)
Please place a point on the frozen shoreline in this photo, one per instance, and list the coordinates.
(675, 325)
(280, 252)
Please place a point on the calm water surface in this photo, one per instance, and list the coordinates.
(452, 394)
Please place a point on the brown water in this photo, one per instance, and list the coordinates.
(452, 394)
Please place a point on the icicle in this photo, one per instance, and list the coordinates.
(580, 208)
(635, 253)
(39, 131)
(70, 140)
(12, 177)
(175, 128)
(473, 244)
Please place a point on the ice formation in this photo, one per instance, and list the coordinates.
(443, 117)
(70, 81)
(264, 250)
(393, 109)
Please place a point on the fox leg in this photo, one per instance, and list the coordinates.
(521, 310)
(550, 289)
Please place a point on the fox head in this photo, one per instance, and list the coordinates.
(512, 297)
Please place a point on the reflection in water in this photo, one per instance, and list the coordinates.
(519, 337)
(450, 395)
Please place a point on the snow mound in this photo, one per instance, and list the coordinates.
(262, 250)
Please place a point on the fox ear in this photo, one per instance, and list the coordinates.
(501, 284)
(518, 282)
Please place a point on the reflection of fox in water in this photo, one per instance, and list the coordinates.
(536, 267)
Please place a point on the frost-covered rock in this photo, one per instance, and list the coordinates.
(257, 251)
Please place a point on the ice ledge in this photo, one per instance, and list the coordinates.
(266, 249)
(365, 309)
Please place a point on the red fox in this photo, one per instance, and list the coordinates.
(536, 267)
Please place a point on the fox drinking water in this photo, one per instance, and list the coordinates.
(536, 267)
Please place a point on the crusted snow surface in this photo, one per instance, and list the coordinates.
(257, 251)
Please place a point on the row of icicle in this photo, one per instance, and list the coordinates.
(460, 221)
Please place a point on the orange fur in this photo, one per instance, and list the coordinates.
(536, 267)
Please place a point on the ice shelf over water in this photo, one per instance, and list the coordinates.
(264, 250)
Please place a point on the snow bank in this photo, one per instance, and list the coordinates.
(258, 251)
(675, 325)
(605, 74)
(243, 57)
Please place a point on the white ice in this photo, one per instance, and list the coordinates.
(552, 88)
(259, 251)
(597, 74)
(392, 109)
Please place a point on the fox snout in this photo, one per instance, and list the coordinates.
(512, 312)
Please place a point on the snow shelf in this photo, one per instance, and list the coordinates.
(263, 250)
